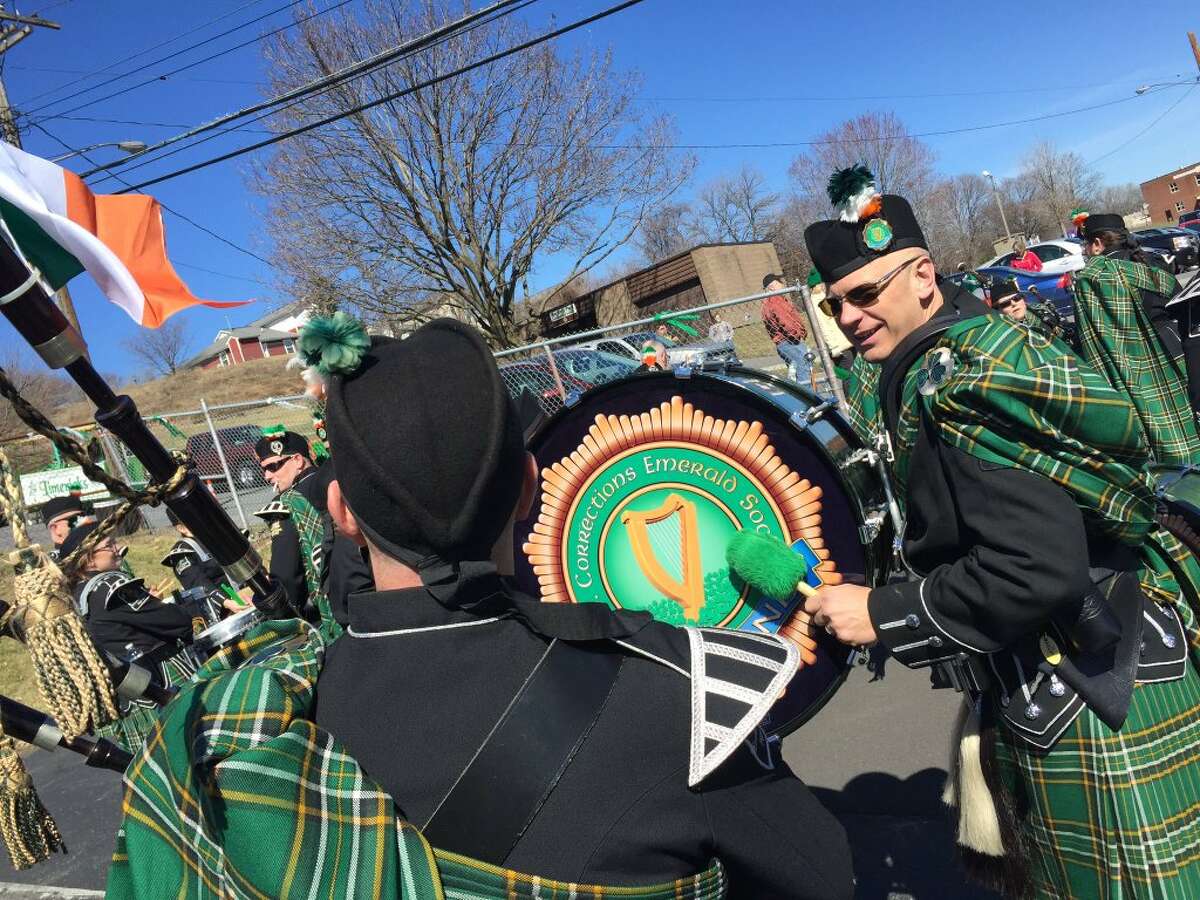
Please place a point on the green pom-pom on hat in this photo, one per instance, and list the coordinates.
(765, 563)
(274, 431)
(334, 345)
(814, 278)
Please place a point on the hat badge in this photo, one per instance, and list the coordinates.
(276, 447)
(877, 234)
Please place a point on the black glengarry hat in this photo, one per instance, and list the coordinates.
(1001, 288)
(427, 445)
(1095, 223)
(59, 506)
(278, 441)
(869, 225)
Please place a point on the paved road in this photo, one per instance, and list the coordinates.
(876, 756)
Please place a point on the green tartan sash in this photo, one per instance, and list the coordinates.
(236, 793)
(1018, 398)
(862, 400)
(311, 529)
(1118, 339)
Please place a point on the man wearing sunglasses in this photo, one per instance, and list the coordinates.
(59, 514)
(287, 466)
(1041, 584)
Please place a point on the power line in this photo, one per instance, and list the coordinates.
(359, 69)
(1158, 119)
(164, 76)
(395, 95)
(87, 74)
(174, 212)
(137, 53)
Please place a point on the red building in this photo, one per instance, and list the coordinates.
(1174, 193)
(235, 346)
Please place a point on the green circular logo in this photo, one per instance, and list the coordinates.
(649, 529)
(878, 234)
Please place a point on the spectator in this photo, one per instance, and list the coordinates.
(654, 358)
(1025, 258)
(787, 330)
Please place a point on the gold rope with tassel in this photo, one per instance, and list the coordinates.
(27, 828)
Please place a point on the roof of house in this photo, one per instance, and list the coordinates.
(221, 341)
(280, 312)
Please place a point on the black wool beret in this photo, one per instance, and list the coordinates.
(427, 445)
(1001, 288)
(285, 444)
(76, 537)
(1094, 224)
(838, 248)
(58, 506)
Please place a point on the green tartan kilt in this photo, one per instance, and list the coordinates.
(1115, 815)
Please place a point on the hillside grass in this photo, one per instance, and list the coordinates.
(253, 380)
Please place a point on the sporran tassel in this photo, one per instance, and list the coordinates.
(29, 832)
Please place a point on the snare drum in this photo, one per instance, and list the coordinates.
(646, 479)
(213, 639)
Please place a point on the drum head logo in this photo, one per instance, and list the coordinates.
(640, 514)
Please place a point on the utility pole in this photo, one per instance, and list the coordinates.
(10, 36)
(1195, 47)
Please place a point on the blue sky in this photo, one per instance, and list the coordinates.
(771, 71)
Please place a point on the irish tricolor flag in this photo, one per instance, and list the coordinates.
(63, 229)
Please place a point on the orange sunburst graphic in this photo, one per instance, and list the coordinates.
(794, 500)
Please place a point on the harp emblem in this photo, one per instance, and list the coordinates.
(666, 540)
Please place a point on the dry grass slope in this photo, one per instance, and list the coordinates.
(253, 380)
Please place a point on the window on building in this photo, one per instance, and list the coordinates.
(289, 346)
(223, 358)
(1174, 188)
(1170, 215)
(1179, 206)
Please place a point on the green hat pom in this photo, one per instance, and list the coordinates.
(814, 278)
(852, 192)
(274, 431)
(334, 345)
(765, 563)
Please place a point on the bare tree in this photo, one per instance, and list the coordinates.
(163, 349)
(735, 208)
(1121, 199)
(447, 196)
(664, 232)
(901, 163)
(960, 227)
(1062, 180)
(44, 390)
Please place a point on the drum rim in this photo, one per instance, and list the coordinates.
(226, 625)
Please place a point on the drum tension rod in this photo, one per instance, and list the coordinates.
(804, 419)
(870, 457)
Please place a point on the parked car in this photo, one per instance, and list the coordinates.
(536, 377)
(237, 443)
(1057, 256)
(694, 353)
(1189, 219)
(1182, 242)
(593, 366)
(628, 347)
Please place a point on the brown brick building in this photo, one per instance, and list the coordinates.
(703, 274)
(1169, 195)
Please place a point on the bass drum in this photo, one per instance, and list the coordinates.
(646, 479)
(1178, 491)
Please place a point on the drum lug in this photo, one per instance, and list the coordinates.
(803, 420)
(858, 456)
(872, 525)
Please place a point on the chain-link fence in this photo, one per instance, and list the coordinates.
(727, 332)
(219, 440)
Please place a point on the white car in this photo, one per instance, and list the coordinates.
(1056, 256)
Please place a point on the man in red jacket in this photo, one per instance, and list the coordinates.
(787, 330)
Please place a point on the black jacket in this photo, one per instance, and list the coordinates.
(415, 686)
(194, 566)
(1000, 557)
(122, 616)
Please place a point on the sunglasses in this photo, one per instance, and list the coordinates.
(273, 467)
(863, 295)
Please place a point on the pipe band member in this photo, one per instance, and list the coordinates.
(568, 749)
(60, 515)
(1041, 583)
(1127, 333)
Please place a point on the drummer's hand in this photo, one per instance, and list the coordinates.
(162, 589)
(232, 605)
(841, 609)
